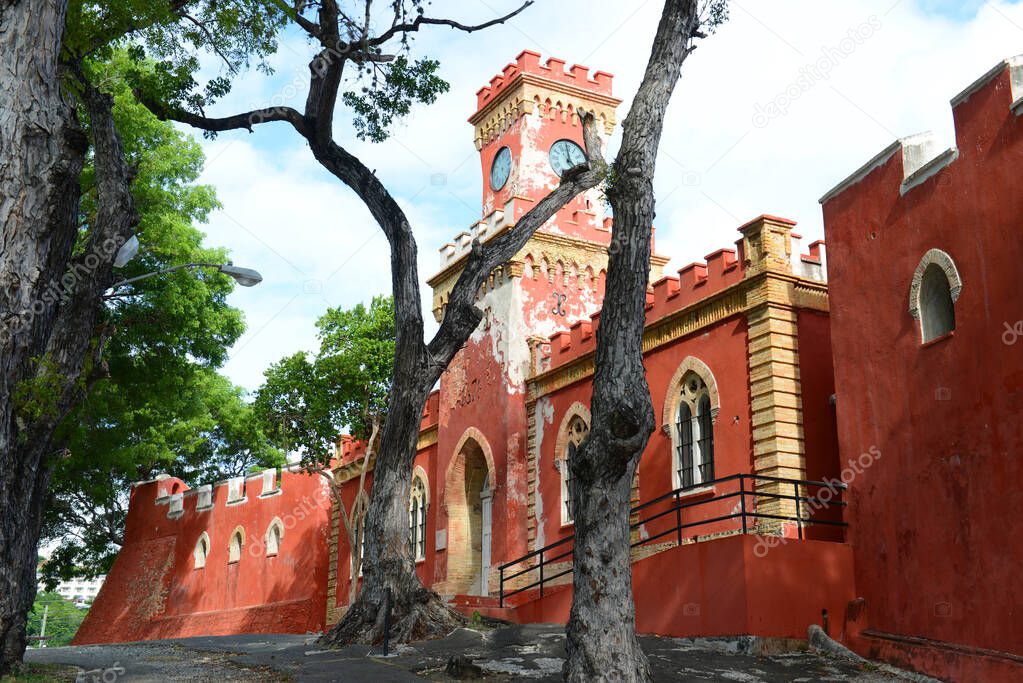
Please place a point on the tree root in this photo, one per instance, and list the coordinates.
(417, 615)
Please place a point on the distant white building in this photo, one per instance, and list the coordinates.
(79, 590)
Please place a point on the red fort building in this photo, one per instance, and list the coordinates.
(839, 437)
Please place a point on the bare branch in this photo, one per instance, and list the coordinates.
(236, 122)
(412, 27)
(212, 40)
(295, 13)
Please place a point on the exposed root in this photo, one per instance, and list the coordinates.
(417, 615)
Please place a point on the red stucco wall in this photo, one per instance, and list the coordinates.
(932, 521)
(726, 587)
(154, 590)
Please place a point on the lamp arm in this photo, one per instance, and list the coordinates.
(163, 271)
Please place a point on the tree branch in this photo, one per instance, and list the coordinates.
(462, 314)
(212, 40)
(237, 122)
(414, 26)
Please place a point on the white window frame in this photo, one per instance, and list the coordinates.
(691, 399)
(273, 545)
(417, 519)
(239, 534)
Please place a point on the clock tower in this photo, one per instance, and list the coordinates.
(528, 131)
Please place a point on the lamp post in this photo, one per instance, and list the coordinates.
(246, 277)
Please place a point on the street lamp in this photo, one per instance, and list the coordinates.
(246, 277)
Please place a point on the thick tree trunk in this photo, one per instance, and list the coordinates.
(50, 306)
(389, 575)
(601, 635)
(388, 568)
(43, 153)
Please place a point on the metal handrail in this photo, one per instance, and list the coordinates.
(744, 514)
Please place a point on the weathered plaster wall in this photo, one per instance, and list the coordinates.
(154, 589)
(931, 519)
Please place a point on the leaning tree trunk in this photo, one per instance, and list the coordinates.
(388, 568)
(389, 576)
(601, 633)
(50, 305)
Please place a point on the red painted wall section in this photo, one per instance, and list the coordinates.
(726, 587)
(723, 349)
(820, 435)
(929, 519)
(154, 589)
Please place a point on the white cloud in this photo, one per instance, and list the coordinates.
(287, 217)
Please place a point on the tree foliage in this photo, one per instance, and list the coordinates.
(163, 408)
(306, 401)
(62, 619)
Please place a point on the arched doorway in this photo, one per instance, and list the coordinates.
(469, 495)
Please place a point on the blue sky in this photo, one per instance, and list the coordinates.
(891, 68)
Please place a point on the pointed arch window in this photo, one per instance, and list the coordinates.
(693, 433)
(578, 428)
(417, 519)
(274, 535)
(359, 527)
(234, 548)
(202, 551)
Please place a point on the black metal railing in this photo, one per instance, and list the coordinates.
(683, 503)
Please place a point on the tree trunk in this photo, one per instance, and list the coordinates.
(601, 633)
(43, 152)
(50, 306)
(388, 566)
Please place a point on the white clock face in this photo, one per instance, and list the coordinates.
(565, 154)
(500, 169)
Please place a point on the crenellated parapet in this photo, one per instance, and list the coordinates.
(767, 266)
(182, 500)
(922, 159)
(526, 86)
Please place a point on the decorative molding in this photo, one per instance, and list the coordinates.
(529, 94)
(532, 476)
(473, 434)
(699, 315)
(942, 260)
(673, 397)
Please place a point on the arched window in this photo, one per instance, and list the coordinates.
(933, 293)
(359, 527)
(693, 435)
(234, 548)
(577, 431)
(274, 534)
(937, 314)
(202, 551)
(417, 520)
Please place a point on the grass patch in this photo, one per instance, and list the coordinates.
(42, 673)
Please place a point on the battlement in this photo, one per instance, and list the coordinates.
(768, 243)
(181, 499)
(976, 112)
(483, 229)
(528, 62)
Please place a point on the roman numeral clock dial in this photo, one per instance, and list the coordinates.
(564, 155)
